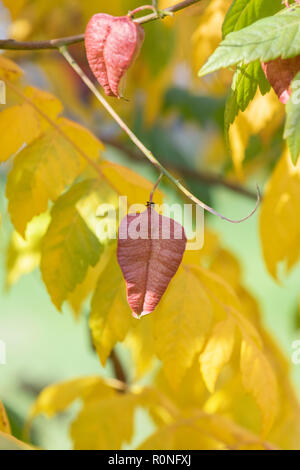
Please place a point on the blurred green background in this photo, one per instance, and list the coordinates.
(43, 346)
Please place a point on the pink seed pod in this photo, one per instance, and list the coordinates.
(280, 74)
(150, 250)
(112, 44)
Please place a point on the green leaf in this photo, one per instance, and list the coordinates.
(243, 89)
(158, 47)
(266, 39)
(69, 247)
(242, 13)
(292, 124)
(192, 107)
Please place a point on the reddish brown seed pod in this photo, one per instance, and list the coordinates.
(112, 44)
(150, 250)
(280, 74)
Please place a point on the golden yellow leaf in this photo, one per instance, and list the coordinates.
(14, 6)
(180, 436)
(141, 344)
(9, 70)
(44, 101)
(21, 124)
(129, 183)
(4, 423)
(227, 267)
(263, 116)
(280, 216)
(259, 379)
(23, 256)
(69, 247)
(181, 323)
(225, 300)
(104, 424)
(77, 297)
(8, 442)
(82, 138)
(44, 168)
(209, 32)
(110, 316)
(192, 392)
(100, 210)
(217, 351)
(60, 396)
(200, 430)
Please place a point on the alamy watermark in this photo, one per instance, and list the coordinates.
(2, 353)
(296, 352)
(140, 226)
(2, 92)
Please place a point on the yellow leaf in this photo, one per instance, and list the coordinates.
(209, 32)
(8, 442)
(129, 183)
(82, 290)
(192, 392)
(69, 247)
(21, 124)
(280, 216)
(227, 267)
(9, 70)
(181, 323)
(180, 435)
(14, 6)
(44, 168)
(224, 301)
(141, 344)
(44, 101)
(23, 256)
(104, 424)
(217, 351)
(110, 314)
(4, 423)
(263, 116)
(60, 396)
(259, 379)
(100, 211)
(82, 138)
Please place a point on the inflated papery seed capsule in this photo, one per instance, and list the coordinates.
(150, 250)
(280, 74)
(112, 44)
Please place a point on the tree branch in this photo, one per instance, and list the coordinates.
(11, 44)
(118, 368)
(146, 152)
(205, 177)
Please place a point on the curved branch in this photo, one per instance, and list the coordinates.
(148, 154)
(205, 177)
(11, 44)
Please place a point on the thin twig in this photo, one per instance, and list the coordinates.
(205, 177)
(11, 44)
(155, 187)
(148, 154)
(118, 368)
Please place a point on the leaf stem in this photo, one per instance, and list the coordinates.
(148, 154)
(155, 187)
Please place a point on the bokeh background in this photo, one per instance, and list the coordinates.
(180, 118)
